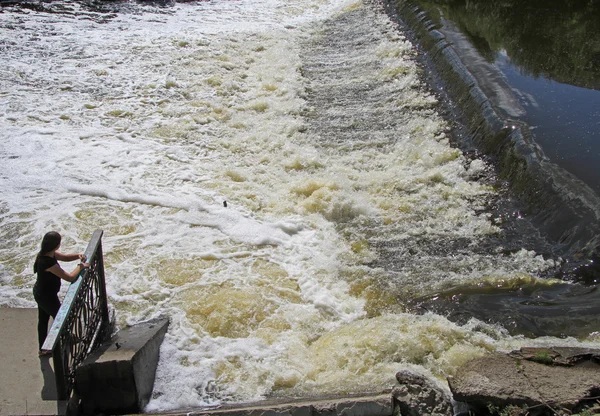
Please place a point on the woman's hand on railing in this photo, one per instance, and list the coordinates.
(80, 268)
(82, 258)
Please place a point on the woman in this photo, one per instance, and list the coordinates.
(47, 285)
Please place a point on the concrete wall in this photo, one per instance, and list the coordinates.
(118, 377)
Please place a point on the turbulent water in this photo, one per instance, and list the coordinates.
(346, 203)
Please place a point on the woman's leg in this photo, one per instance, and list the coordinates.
(47, 306)
(42, 328)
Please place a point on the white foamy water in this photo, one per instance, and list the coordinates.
(142, 125)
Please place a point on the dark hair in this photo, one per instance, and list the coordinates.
(50, 242)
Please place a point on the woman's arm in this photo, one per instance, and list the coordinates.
(69, 277)
(69, 257)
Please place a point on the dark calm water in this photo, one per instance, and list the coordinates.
(565, 120)
(548, 52)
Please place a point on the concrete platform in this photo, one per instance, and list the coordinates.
(27, 384)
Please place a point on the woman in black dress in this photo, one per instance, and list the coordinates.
(47, 285)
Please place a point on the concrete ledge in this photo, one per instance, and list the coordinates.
(119, 376)
(376, 405)
(373, 406)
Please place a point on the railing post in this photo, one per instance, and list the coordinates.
(102, 283)
(82, 319)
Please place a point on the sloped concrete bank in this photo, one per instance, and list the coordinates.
(377, 405)
(415, 396)
(562, 206)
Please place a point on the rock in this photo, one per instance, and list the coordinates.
(522, 379)
(419, 396)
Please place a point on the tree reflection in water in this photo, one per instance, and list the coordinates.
(554, 39)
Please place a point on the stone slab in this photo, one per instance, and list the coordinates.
(27, 384)
(503, 380)
(119, 376)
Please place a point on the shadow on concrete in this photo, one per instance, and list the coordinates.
(49, 387)
(49, 391)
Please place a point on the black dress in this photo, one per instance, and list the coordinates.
(45, 293)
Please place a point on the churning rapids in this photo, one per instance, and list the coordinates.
(346, 203)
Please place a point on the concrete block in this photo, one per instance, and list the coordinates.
(118, 377)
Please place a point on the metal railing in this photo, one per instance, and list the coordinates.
(82, 320)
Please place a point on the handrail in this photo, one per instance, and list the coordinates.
(82, 319)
